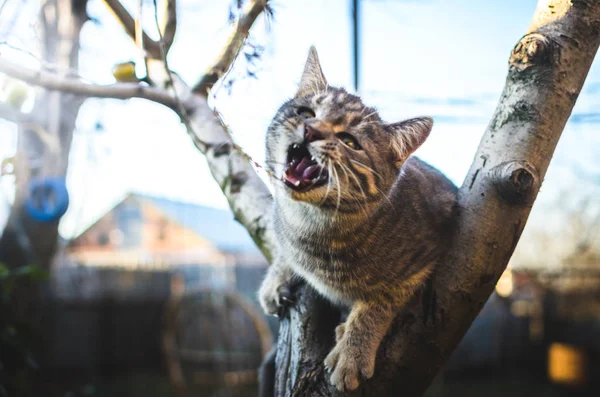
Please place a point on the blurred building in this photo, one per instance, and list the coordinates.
(541, 327)
(155, 283)
(143, 233)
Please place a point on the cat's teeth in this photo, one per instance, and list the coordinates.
(295, 146)
(312, 158)
(297, 183)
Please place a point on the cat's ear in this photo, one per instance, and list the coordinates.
(407, 136)
(313, 80)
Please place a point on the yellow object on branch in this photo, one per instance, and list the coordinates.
(7, 166)
(124, 72)
(16, 94)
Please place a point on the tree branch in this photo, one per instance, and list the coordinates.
(232, 48)
(151, 47)
(547, 69)
(54, 81)
(248, 196)
(169, 24)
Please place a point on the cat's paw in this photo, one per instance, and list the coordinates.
(348, 365)
(275, 296)
(339, 332)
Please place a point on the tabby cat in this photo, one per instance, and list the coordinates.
(355, 215)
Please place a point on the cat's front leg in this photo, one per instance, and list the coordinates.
(275, 290)
(357, 341)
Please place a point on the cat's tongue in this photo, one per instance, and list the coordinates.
(303, 166)
(295, 173)
(303, 173)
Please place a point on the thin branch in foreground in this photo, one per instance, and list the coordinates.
(53, 81)
(168, 25)
(128, 23)
(166, 79)
(46, 65)
(138, 30)
(233, 47)
(241, 151)
(182, 111)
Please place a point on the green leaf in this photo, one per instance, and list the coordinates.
(34, 272)
(8, 285)
(4, 271)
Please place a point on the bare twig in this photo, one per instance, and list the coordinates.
(183, 113)
(4, 3)
(241, 150)
(232, 48)
(53, 81)
(46, 65)
(247, 194)
(12, 19)
(127, 22)
(230, 165)
(138, 30)
(165, 79)
(168, 25)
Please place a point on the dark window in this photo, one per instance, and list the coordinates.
(162, 229)
(103, 239)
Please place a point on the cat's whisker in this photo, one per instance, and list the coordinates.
(375, 259)
(349, 171)
(328, 183)
(367, 168)
(386, 198)
(339, 191)
(289, 125)
(370, 114)
(375, 186)
(362, 192)
(275, 162)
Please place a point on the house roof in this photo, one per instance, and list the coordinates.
(216, 225)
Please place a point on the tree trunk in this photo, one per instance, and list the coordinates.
(547, 69)
(45, 142)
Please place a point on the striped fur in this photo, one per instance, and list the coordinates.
(370, 237)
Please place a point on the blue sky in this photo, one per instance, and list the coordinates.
(443, 58)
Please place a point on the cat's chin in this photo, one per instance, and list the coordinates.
(305, 186)
(313, 195)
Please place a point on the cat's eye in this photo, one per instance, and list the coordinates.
(349, 140)
(305, 113)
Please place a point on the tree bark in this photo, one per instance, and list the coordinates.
(547, 69)
(44, 141)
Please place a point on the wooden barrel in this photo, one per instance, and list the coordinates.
(213, 339)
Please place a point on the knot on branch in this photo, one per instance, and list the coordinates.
(516, 181)
(238, 180)
(532, 49)
(206, 82)
(222, 149)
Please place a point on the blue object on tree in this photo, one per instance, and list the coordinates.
(47, 199)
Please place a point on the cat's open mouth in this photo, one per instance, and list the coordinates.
(303, 172)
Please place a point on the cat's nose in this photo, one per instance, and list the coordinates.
(311, 134)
